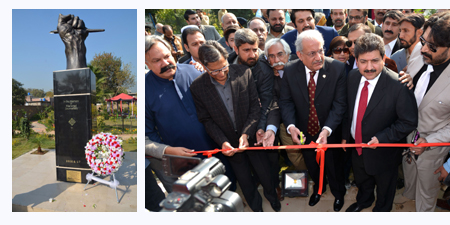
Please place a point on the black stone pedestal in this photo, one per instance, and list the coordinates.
(74, 102)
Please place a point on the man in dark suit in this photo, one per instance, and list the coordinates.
(227, 104)
(327, 104)
(303, 19)
(380, 110)
(391, 30)
(356, 16)
(192, 38)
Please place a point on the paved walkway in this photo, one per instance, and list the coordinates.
(34, 183)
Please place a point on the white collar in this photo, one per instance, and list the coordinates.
(373, 82)
(391, 44)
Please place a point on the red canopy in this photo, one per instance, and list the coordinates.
(123, 97)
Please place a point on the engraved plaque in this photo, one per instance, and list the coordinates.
(73, 176)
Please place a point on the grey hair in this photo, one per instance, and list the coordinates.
(368, 43)
(151, 40)
(274, 41)
(308, 35)
(245, 36)
(211, 52)
(221, 19)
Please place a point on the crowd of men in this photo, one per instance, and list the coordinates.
(360, 80)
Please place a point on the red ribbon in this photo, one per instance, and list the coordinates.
(321, 148)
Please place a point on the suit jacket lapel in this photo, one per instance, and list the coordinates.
(215, 98)
(321, 79)
(301, 79)
(439, 85)
(353, 85)
(234, 89)
(377, 94)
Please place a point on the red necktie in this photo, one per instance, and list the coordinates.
(313, 121)
(361, 110)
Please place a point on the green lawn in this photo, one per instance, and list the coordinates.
(114, 126)
(21, 146)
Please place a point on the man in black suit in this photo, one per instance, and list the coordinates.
(380, 110)
(391, 30)
(227, 104)
(327, 104)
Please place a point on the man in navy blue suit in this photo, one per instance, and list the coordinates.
(304, 20)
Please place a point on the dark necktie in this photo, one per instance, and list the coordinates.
(313, 121)
(361, 110)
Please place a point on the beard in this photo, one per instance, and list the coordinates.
(439, 59)
(338, 23)
(277, 27)
(250, 62)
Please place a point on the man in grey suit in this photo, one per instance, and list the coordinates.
(209, 31)
(432, 88)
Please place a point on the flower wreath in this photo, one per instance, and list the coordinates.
(104, 153)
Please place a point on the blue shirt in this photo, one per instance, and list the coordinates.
(170, 114)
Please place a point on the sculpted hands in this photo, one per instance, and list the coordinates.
(179, 151)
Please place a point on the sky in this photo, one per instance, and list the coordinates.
(36, 53)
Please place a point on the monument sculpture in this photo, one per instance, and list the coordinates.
(74, 102)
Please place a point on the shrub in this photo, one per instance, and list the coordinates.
(100, 123)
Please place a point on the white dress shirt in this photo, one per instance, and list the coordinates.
(389, 47)
(370, 88)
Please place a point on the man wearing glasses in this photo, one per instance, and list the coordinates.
(227, 104)
(359, 16)
(313, 100)
(432, 88)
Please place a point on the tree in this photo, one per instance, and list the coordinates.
(49, 93)
(38, 93)
(18, 93)
(112, 76)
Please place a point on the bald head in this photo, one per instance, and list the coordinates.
(159, 27)
(228, 19)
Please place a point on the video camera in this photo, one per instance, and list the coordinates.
(201, 189)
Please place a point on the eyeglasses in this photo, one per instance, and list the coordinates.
(354, 17)
(215, 72)
(312, 54)
(350, 43)
(278, 55)
(340, 50)
(431, 46)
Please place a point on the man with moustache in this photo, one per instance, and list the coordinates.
(354, 33)
(390, 31)
(278, 52)
(246, 52)
(356, 16)
(258, 26)
(277, 24)
(380, 110)
(227, 20)
(303, 19)
(379, 17)
(169, 108)
(320, 83)
(338, 16)
(432, 88)
(408, 58)
(227, 104)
